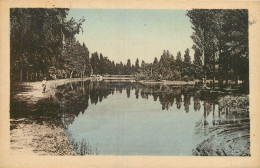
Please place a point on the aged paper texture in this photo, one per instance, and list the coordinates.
(25, 160)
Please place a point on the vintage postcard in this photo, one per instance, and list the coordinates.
(129, 84)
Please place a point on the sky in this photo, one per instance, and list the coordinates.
(122, 34)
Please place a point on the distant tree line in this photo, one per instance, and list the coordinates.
(170, 67)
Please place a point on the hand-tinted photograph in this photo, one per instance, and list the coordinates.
(129, 82)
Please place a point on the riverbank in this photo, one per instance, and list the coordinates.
(31, 92)
(46, 138)
(230, 136)
(231, 140)
(31, 138)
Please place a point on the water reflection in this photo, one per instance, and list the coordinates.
(219, 115)
(175, 117)
(74, 98)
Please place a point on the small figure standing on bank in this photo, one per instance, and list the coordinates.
(44, 82)
(204, 83)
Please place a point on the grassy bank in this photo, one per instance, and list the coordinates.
(31, 138)
(232, 138)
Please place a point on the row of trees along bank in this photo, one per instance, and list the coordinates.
(221, 40)
(43, 44)
(37, 39)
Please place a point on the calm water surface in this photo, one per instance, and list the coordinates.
(133, 119)
(116, 118)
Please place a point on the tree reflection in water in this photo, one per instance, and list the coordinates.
(74, 99)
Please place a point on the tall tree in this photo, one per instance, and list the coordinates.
(128, 67)
(94, 61)
(137, 67)
(187, 58)
(155, 60)
(222, 38)
(178, 58)
(37, 37)
(102, 64)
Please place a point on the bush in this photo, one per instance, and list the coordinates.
(186, 78)
(176, 75)
(192, 78)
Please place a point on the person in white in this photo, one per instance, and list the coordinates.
(44, 82)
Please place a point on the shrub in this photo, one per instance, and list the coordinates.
(186, 78)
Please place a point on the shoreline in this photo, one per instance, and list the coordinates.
(28, 137)
(36, 139)
(34, 93)
(178, 83)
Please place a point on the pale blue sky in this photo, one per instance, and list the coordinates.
(122, 34)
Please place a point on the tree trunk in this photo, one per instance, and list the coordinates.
(220, 70)
(36, 76)
(204, 60)
(226, 77)
(31, 76)
(214, 81)
(21, 75)
(237, 80)
(71, 74)
(27, 76)
(213, 114)
(205, 115)
(40, 74)
(214, 69)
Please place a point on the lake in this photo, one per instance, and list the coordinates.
(124, 118)
(114, 118)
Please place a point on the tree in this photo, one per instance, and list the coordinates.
(74, 60)
(178, 58)
(128, 67)
(201, 35)
(187, 58)
(137, 67)
(222, 38)
(197, 64)
(95, 64)
(37, 37)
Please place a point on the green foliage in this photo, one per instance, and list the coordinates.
(178, 58)
(186, 78)
(75, 59)
(168, 68)
(37, 37)
(221, 39)
(187, 58)
(43, 44)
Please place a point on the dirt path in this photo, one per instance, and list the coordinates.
(29, 138)
(33, 92)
